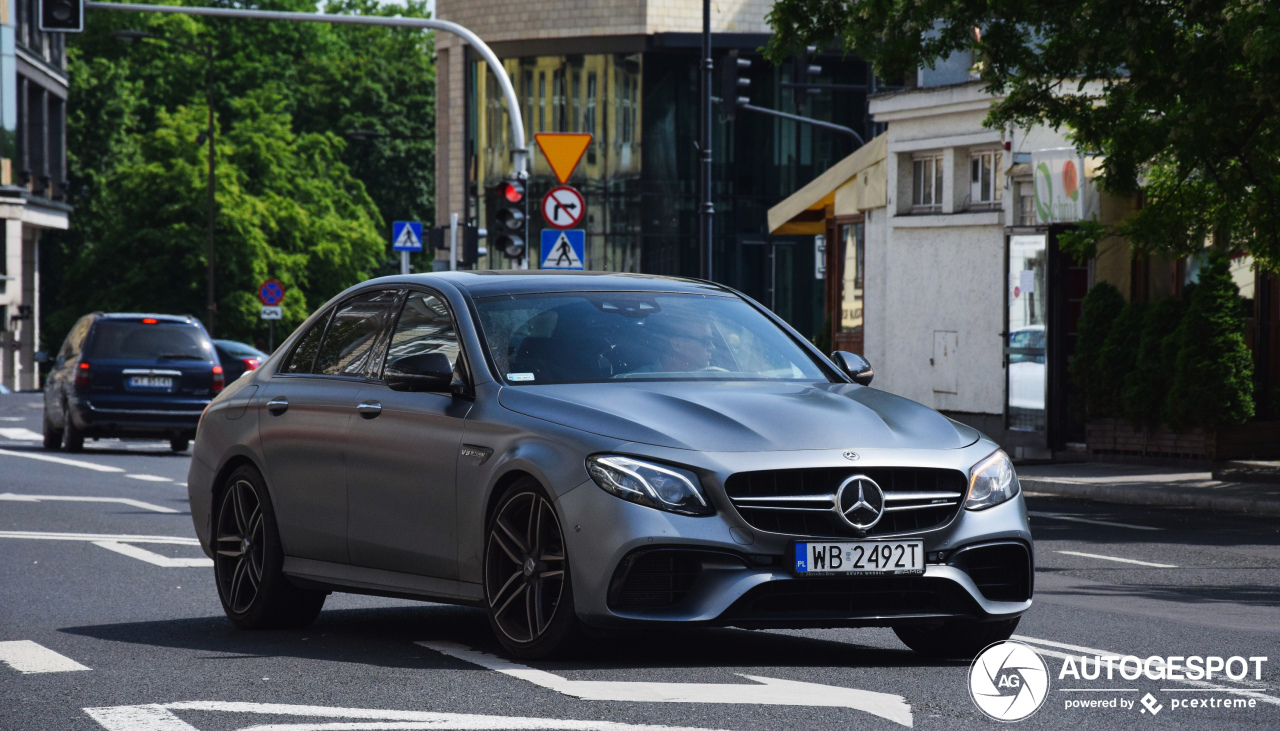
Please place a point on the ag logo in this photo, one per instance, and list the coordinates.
(1008, 681)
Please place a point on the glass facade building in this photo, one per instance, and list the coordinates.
(639, 174)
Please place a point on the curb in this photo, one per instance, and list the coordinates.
(1153, 496)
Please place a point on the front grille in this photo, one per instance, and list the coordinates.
(801, 502)
(1001, 571)
(654, 579)
(844, 599)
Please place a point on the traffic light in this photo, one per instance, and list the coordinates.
(733, 87)
(804, 72)
(508, 206)
(62, 16)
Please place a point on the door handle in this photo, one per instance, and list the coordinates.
(369, 409)
(278, 405)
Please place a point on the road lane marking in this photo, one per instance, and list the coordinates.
(1121, 560)
(26, 656)
(61, 460)
(156, 559)
(20, 434)
(765, 691)
(160, 717)
(1078, 519)
(150, 478)
(8, 496)
(1090, 653)
(91, 537)
(12, 418)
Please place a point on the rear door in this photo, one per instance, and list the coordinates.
(403, 453)
(304, 411)
(149, 364)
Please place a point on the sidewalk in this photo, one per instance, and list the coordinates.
(1169, 486)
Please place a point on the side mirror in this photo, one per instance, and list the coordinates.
(423, 372)
(855, 365)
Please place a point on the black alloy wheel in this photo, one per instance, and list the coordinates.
(248, 560)
(526, 577)
(240, 543)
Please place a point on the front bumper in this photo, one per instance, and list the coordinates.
(719, 570)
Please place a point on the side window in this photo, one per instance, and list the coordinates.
(348, 344)
(304, 355)
(424, 327)
(75, 339)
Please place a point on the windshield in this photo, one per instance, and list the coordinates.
(592, 337)
(150, 341)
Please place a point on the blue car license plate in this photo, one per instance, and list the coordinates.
(859, 558)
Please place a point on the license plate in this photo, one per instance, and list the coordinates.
(860, 558)
(150, 382)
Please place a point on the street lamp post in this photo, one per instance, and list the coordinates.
(206, 136)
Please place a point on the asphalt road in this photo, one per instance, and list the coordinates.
(152, 651)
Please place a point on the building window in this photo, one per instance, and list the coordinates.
(926, 184)
(986, 179)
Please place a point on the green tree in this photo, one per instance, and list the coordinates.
(1117, 358)
(1101, 307)
(1146, 387)
(296, 199)
(1213, 377)
(1180, 98)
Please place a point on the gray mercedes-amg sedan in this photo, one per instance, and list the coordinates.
(579, 452)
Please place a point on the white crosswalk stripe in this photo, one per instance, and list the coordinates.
(28, 657)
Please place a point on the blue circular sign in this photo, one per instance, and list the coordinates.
(271, 293)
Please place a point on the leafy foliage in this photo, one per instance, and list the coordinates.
(1213, 377)
(1101, 307)
(1146, 387)
(296, 200)
(1180, 98)
(1117, 358)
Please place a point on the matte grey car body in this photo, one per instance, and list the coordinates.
(399, 499)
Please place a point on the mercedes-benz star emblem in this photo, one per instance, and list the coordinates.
(851, 455)
(860, 502)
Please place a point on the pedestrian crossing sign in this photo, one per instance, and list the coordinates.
(406, 236)
(563, 249)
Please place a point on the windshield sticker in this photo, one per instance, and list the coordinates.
(519, 376)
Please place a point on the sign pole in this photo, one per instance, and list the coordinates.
(271, 336)
(404, 262)
(453, 242)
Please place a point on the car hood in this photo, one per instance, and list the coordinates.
(741, 416)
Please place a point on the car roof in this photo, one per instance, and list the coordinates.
(487, 283)
(140, 315)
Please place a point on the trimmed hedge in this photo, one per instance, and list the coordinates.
(1213, 378)
(1146, 387)
(1117, 359)
(1101, 307)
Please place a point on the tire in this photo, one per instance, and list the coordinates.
(179, 444)
(960, 639)
(248, 560)
(52, 437)
(72, 437)
(528, 594)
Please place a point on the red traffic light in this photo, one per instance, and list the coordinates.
(512, 191)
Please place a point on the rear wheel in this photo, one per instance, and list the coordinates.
(72, 438)
(526, 575)
(52, 436)
(179, 444)
(249, 561)
(956, 638)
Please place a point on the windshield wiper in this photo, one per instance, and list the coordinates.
(179, 356)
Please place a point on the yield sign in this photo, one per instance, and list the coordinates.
(563, 150)
(562, 207)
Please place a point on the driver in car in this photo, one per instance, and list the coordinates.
(683, 344)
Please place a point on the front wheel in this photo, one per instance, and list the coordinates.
(526, 575)
(960, 639)
(179, 444)
(248, 560)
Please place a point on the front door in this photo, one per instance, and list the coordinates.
(1026, 353)
(303, 415)
(402, 454)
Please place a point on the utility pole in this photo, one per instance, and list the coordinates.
(708, 207)
(212, 300)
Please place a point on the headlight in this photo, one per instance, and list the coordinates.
(653, 485)
(991, 482)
